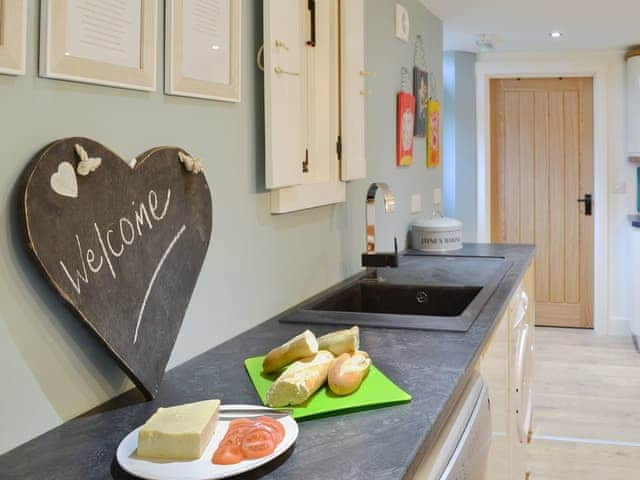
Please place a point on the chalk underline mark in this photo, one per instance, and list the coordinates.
(153, 278)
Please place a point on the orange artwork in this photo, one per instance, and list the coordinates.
(404, 135)
(433, 134)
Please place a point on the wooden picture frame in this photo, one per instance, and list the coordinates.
(13, 37)
(58, 61)
(199, 76)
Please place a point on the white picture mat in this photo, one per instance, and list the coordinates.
(206, 42)
(191, 70)
(54, 63)
(13, 37)
(107, 31)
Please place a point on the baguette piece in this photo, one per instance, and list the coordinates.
(342, 341)
(301, 346)
(348, 371)
(179, 433)
(301, 380)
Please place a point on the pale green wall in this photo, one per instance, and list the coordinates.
(460, 152)
(258, 264)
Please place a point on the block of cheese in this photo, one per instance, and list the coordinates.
(179, 433)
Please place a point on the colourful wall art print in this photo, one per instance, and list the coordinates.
(421, 92)
(404, 135)
(433, 134)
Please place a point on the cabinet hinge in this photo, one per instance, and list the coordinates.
(339, 147)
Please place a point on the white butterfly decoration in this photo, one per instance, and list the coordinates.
(87, 164)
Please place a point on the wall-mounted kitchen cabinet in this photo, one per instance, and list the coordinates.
(314, 100)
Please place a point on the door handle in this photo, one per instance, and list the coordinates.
(312, 10)
(588, 204)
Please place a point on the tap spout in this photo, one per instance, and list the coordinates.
(389, 206)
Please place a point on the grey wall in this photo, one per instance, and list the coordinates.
(459, 137)
(258, 264)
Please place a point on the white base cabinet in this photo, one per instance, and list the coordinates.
(507, 366)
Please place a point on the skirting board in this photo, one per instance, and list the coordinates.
(619, 326)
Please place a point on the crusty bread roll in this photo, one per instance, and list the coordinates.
(301, 380)
(342, 341)
(348, 371)
(302, 346)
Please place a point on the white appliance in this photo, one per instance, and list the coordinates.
(635, 285)
(522, 371)
(633, 102)
(462, 450)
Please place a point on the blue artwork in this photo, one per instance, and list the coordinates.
(421, 92)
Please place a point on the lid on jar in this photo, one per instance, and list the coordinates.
(438, 224)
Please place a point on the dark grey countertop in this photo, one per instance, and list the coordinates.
(635, 220)
(383, 444)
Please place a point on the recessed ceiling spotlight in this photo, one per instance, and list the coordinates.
(556, 34)
(484, 42)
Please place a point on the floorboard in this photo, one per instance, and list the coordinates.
(587, 407)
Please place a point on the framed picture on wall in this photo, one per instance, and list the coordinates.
(203, 49)
(110, 42)
(13, 36)
(421, 92)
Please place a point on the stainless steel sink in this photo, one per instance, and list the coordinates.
(424, 293)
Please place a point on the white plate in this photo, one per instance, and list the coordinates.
(201, 469)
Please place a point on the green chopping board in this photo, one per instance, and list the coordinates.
(376, 391)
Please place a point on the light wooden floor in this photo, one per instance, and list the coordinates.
(587, 407)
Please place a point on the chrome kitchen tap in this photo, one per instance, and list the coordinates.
(371, 258)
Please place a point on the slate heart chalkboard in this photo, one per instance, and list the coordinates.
(123, 246)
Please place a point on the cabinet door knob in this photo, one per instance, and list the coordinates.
(281, 44)
(280, 71)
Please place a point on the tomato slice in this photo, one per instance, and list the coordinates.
(258, 443)
(235, 436)
(248, 439)
(227, 455)
(275, 425)
(240, 422)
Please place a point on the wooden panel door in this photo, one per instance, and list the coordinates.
(541, 164)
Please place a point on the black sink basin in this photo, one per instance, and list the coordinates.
(374, 297)
(424, 293)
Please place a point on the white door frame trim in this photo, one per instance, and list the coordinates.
(597, 69)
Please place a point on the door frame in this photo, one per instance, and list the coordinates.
(540, 67)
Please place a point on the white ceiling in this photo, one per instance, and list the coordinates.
(524, 25)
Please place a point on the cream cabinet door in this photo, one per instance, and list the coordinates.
(283, 54)
(353, 90)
